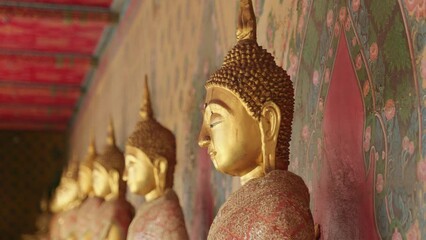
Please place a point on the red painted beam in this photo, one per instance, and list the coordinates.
(40, 12)
(32, 126)
(38, 95)
(97, 3)
(52, 69)
(26, 33)
(35, 111)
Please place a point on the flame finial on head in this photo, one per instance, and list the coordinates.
(111, 134)
(92, 145)
(91, 153)
(146, 109)
(246, 21)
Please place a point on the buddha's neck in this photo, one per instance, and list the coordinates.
(255, 173)
(154, 194)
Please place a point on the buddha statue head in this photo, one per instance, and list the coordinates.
(248, 108)
(150, 154)
(108, 169)
(66, 195)
(86, 169)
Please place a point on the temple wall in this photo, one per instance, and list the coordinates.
(359, 71)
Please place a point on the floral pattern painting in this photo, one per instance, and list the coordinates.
(382, 38)
(359, 73)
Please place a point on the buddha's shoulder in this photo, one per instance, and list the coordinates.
(276, 184)
(275, 206)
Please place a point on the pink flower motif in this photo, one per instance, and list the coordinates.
(374, 51)
(396, 235)
(305, 133)
(293, 64)
(348, 24)
(405, 143)
(300, 24)
(354, 41)
(358, 62)
(330, 52)
(319, 146)
(421, 170)
(327, 75)
(336, 29)
(411, 148)
(411, 5)
(414, 232)
(367, 139)
(305, 6)
(420, 11)
(366, 88)
(379, 183)
(315, 78)
(390, 109)
(342, 14)
(330, 17)
(295, 163)
(368, 132)
(321, 105)
(355, 5)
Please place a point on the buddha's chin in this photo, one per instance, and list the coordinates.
(223, 168)
(216, 164)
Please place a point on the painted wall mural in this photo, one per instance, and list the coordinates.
(359, 71)
(358, 135)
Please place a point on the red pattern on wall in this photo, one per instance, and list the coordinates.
(99, 3)
(47, 49)
(344, 194)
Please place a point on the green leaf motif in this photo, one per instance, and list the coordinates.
(311, 43)
(395, 48)
(382, 10)
(405, 99)
(320, 10)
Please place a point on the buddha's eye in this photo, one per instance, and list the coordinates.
(215, 119)
(214, 124)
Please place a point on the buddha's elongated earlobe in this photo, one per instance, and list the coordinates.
(269, 124)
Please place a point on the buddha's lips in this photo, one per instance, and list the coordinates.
(212, 153)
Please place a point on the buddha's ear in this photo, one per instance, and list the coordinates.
(270, 120)
(160, 173)
(114, 180)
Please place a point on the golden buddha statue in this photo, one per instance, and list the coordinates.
(89, 208)
(42, 222)
(116, 213)
(150, 164)
(247, 127)
(65, 205)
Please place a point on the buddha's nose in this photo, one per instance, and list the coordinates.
(204, 137)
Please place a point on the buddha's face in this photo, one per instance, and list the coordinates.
(101, 185)
(230, 133)
(139, 173)
(85, 179)
(65, 194)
